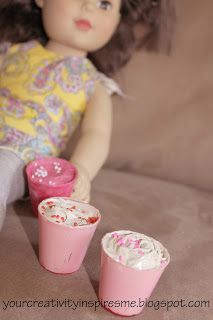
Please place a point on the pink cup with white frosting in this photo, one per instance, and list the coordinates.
(49, 177)
(131, 265)
(66, 228)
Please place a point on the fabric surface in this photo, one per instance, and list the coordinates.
(177, 216)
(12, 180)
(42, 98)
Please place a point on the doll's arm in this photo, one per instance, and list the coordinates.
(93, 146)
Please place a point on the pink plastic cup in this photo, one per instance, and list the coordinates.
(49, 177)
(124, 290)
(62, 248)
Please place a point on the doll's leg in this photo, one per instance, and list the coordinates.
(12, 181)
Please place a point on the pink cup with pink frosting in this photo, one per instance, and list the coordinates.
(66, 228)
(49, 177)
(124, 289)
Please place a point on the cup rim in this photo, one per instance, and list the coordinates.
(36, 183)
(70, 227)
(163, 266)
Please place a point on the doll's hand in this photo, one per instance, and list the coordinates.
(82, 186)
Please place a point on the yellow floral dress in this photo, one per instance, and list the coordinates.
(42, 98)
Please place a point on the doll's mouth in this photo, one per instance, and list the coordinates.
(83, 24)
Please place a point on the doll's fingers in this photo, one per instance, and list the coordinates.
(82, 189)
(81, 195)
(75, 198)
(84, 199)
(81, 185)
(78, 195)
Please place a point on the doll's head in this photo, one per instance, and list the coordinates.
(79, 27)
(132, 24)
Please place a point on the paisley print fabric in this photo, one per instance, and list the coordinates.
(42, 98)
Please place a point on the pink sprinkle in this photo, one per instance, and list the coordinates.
(114, 235)
(141, 252)
(136, 246)
(120, 242)
(120, 258)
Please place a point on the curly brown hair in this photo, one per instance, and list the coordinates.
(144, 23)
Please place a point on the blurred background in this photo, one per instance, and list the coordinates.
(164, 129)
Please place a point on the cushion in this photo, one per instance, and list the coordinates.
(178, 216)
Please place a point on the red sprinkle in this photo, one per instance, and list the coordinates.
(92, 219)
(49, 202)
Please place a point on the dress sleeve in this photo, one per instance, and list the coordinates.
(4, 47)
(111, 86)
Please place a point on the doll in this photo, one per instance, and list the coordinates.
(54, 59)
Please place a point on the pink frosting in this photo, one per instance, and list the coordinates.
(51, 171)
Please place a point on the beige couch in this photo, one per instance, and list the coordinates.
(158, 180)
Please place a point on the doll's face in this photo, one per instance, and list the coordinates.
(85, 25)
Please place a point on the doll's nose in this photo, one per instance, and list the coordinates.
(89, 5)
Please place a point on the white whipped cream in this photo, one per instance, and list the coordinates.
(135, 250)
(68, 212)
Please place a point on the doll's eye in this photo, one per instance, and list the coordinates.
(104, 4)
